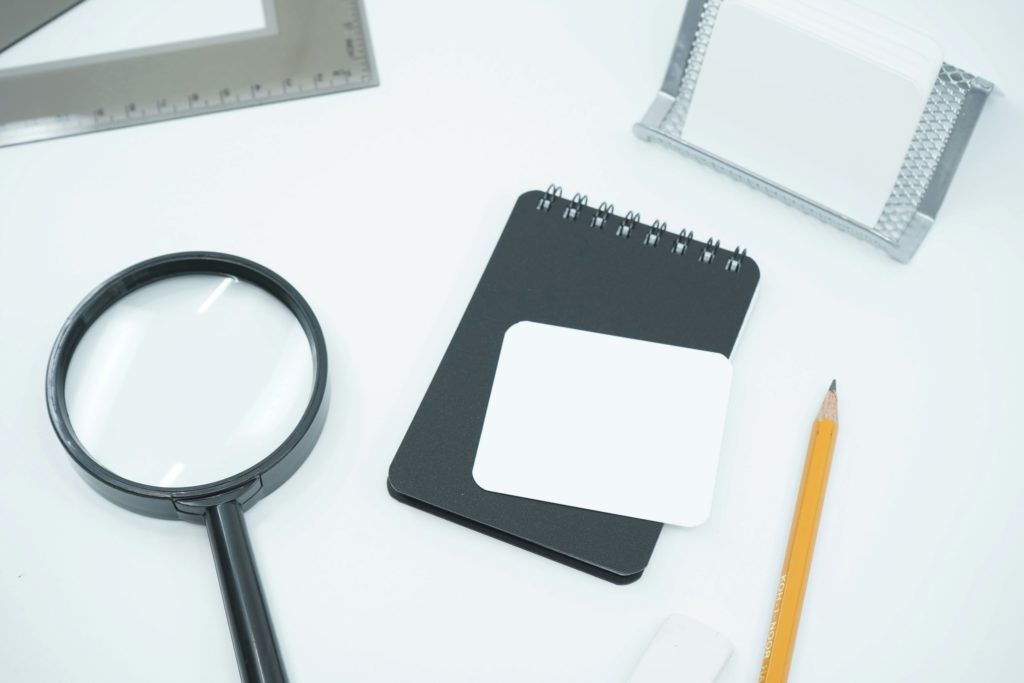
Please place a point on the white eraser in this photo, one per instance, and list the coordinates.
(684, 651)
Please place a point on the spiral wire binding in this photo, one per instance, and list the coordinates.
(735, 261)
(710, 250)
(655, 235)
(602, 214)
(550, 194)
(575, 206)
(682, 242)
(626, 226)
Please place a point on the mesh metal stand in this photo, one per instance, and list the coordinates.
(950, 115)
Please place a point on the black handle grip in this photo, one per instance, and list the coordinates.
(259, 660)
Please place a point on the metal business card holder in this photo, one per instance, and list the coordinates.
(942, 134)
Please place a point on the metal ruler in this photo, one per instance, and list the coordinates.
(308, 47)
(19, 18)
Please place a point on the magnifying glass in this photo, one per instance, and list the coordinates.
(188, 387)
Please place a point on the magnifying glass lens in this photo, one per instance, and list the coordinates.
(189, 380)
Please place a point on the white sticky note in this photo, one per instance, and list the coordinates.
(605, 423)
(822, 98)
(684, 651)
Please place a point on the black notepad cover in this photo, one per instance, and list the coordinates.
(549, 269)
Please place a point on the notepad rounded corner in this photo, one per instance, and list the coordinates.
(530, 198)
(394, 480)
(750, 265)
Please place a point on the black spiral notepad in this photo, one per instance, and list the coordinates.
(562, 262)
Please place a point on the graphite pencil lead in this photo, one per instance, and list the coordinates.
(830, 406)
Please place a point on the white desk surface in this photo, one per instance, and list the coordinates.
(382, 206)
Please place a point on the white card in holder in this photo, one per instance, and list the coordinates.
(792, 94)
(832, 109)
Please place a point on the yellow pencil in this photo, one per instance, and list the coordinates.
(778, 652)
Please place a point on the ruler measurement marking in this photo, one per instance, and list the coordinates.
(348, 51)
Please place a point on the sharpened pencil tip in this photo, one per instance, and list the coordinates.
(830, 406)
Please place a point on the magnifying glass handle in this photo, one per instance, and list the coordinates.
(259, 660)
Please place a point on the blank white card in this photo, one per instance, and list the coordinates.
(605, 423)
(819, 96)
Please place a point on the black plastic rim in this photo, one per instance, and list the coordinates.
(247, 486)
